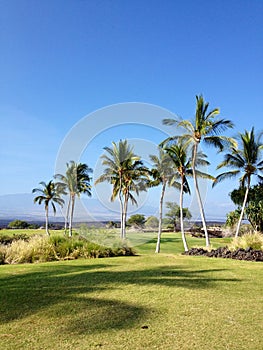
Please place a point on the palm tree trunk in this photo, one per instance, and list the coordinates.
(158, 244)
(201, 208)
(71, 214)
(182, 216)
(122, 207)
(243, 208)
(67, 215)
(46, 210)
(122, 213)
(126, 198)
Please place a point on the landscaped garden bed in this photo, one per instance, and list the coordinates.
(249, 254)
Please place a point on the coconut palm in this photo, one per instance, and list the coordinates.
(245, 160)
(49, 194)
(183, 166)
(163, 174)
(76, 181)
(126, 173)
(204, 128)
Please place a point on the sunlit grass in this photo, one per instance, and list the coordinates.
(151, 301)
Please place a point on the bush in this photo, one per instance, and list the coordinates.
(5, 239)
(43, 248)
(248, 240)
(18, 224)
(136, 220)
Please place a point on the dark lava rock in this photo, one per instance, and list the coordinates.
(248, 254)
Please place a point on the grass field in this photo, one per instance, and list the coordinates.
(166, 301)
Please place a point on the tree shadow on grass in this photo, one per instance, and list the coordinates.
(65, 290)
(94, 315)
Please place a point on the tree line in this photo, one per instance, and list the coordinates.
(179, 159)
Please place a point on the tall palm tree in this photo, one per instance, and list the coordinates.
(126, 173)
(204, 127)
(245, 160)
(163, 174)
(184, 167)
(77, 181)
(49, 194)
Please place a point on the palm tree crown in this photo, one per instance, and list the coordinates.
(245, 161)
(77, 178)
(203, 127)
(49, 194)
(162, 169)
(76, 181)
(126, 173)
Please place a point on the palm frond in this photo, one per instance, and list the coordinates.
(226, 175)
(220, 142)
(204, 175)
(170, 121)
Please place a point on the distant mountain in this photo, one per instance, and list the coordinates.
(22, 206)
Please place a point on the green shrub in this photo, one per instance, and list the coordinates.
(8, 239)
(248, 240)
(136, 220)
(5, 239)
(42, 248)
(69, 248)
(18, 224)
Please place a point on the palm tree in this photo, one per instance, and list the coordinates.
(183, 165)
(49, 194)
(204, 128)
(126, 173)
(77, 181)
(163, 174)
(245, 160)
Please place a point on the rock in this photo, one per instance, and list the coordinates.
(248, 254)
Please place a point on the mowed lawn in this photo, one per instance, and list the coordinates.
(149, 301)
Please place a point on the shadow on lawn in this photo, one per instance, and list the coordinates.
(64, 291)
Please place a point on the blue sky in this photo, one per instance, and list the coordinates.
(62, 60)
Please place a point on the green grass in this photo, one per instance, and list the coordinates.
(186, 302)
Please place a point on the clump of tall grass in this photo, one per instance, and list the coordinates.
(2, 254)
(42, 248)
(249, 240)
(36, 249)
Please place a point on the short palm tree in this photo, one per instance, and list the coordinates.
(49, 194)
(183, 166)
(76, 181)
(204, 128)
(163, 174)
(245, 160)
(126, 173)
